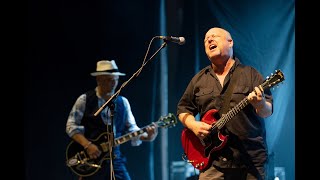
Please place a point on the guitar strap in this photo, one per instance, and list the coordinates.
(227, 94)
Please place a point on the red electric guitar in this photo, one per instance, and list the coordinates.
(198, 151)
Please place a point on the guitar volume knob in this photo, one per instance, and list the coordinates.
(73, 162)
(199, 164)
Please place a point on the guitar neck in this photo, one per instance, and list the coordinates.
(127, 137)
(267, 84)
(230, 114)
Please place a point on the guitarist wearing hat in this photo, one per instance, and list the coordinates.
(89, 153)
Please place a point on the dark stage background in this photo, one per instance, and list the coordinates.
(66, 38)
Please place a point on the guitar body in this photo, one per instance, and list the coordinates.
(198, 151)
(79, 161)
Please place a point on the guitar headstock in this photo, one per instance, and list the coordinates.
(167, 121)
(273, 80)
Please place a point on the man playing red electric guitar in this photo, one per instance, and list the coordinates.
(231, 146)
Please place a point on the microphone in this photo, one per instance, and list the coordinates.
(179, 40)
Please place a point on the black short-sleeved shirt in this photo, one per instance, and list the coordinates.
(204, 92)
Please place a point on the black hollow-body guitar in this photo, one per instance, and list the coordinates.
(79, 161)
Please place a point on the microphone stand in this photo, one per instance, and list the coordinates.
(125, 83)
(110, 103)
(110, 134)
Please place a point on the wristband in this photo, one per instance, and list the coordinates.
(86, 147)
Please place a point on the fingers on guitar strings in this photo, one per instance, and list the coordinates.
(261, 90)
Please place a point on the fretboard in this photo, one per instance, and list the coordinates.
(129, 136)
